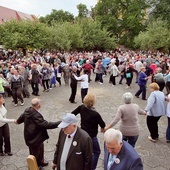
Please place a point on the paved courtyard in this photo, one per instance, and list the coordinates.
(155, 156)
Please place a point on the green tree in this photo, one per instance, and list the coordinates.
(122, 18)
(161, 9)
(95, 37)
(57, 16)
(83, 12)
(24, 34)
(156, 36)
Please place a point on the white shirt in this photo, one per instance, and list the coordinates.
(3, 119)
(66, 148)
(84, 81)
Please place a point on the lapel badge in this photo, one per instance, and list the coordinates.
(74, 143)
(117, 160)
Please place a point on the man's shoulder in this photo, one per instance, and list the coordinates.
(82, 133)
(129, 151)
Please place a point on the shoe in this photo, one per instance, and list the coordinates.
(144, 99)
(47, 90)
(2, 154)
(152, 140)
(168, 141)
(9, 153)
(44, 90)
(16, 105)
(137, 96)
(43, 164)
(22, 104)
(127, 87)
(100, 83)
(74, 102)
(36, 95)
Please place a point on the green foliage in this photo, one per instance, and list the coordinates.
(156, 36)
(57, 16)
(161, 9)
(95, 37)
(25, 34)
(124, 19)
(83, 12)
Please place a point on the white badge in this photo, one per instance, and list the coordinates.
(117, 160)
(74, 143)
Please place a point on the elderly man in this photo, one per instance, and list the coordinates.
(119, 155)
(35, 132)
(74, 146)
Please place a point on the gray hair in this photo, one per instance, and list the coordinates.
(35, 102)
(111, 134)
(127, 97)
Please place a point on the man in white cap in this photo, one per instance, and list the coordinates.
(74, 146)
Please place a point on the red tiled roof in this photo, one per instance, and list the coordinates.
(7, 14)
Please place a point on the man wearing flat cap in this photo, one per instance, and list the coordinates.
(74, 146)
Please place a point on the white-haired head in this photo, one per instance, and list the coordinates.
(127, 98)
(111, 134)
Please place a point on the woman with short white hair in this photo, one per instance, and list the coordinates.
(128, 114)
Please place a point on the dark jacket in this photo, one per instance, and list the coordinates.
(35, 75)
(90, 119)
(80, 153)
(128, 159)
(35, 127)
(142, 79)
(73, 80)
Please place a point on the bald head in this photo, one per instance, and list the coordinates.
(35, 103)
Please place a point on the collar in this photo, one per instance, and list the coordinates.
(73, 134)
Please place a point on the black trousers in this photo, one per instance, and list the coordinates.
(35, 88)
(73, 93)
(5, 138)
(17, 94)
(128, 81)
(38, 152)
(58, 80)
(161, 86)
(152, 123)
(113, 79)
(83, 93)
(45, 84)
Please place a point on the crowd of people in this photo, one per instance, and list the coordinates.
(78, 148)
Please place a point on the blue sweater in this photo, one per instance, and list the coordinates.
(156, 104)
(142, 79)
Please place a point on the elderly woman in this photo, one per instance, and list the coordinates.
(4, 129)
(17, 87)
(128, 114)
(90, 119)
(142, 80)
(155, 109)
(114, 73)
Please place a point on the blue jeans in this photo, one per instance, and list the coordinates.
(168, 130)
(96, 152)
(131, 140)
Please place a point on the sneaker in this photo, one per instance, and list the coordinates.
(16, 105)
(127, 87)
(22, 104)
(9, 153)
(100, 83)
(152, 140)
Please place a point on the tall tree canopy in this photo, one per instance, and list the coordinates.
(122, 18)
(57, 16)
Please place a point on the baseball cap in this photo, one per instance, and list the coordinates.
(67, 120)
